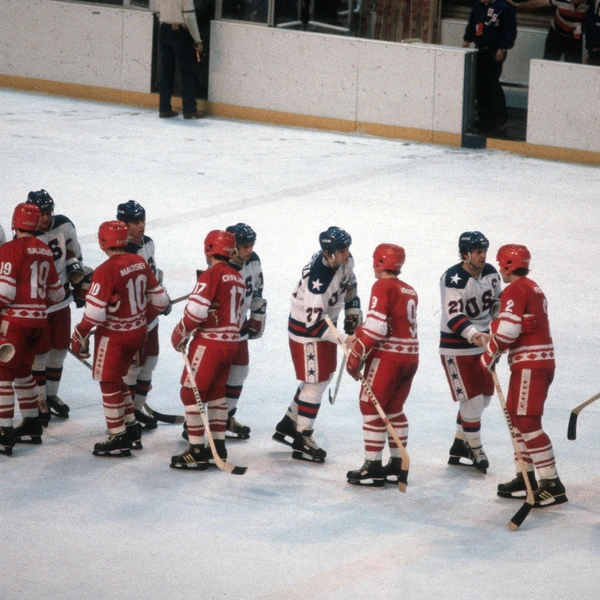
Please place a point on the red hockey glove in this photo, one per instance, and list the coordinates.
(80, 343)
(114, 302)
(180, 337)
(356, 359)
(491, 356)
(255, 328)
(529, 324)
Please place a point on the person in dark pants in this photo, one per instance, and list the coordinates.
(592, 35)
(492, 27)
(179, 42)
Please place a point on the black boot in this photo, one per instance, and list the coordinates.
(305, 447)
(57, 407)
(134, 435)
(516, 488)
(549, 493)
(7, 440)
(285, 428)
(237, 430)
(147, 421)
(392, 469)
(31, 428)
(195, 457)
(116, 445)
(371, 474)
(221, 451)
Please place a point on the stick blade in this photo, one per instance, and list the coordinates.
(520, 516)
(403, 480)
(572, 429)
(229, 468)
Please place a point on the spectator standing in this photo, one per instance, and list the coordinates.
(592, 35)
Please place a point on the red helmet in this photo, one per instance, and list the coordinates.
(513, 256)
(26, 217)
(112, 234)
(219, 242)
(388, 257)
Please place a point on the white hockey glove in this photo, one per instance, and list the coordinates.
(258, 317)
(353, 315)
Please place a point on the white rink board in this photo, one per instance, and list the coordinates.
(564, 105)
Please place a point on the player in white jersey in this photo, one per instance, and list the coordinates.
(254, 307)
(59, 233)
(326, 286)
(139, 377)
(470, 293)
(2, 236)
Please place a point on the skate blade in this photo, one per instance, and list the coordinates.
(519, 495)
(237, 436)
(307, 457)
(149, 427)
(36, 440)
(122, 453)
(374, 483)
(280, 437)
(137, 446)
(59, 415)
(456, 461)
(189, 467)
(551, 501)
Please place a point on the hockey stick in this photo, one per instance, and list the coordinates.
(224, 466)
(404, 467)
(180, 299)
(522, 513)
(572, 430)
(173, 419)
(337, 383)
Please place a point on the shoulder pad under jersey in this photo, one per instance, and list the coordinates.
(60, 220)
(488, 270)
(319, 275)
(456, 277)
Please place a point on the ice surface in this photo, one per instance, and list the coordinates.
(75, 526)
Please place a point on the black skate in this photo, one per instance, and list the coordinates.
(221, 451)
(480, 460)
(134, 435)
(549, 493)
(57, 407)
(195, 457)
(392, 470)
(116, 445)
(146, 421)
(371, 474)
(305, 447)
(285, 428)
(44, 414)
(7, 440)
(237, 430)
(31, 428)
(460, 449)
(516, 488)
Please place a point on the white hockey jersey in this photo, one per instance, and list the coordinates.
(251, 273)
(321, 291)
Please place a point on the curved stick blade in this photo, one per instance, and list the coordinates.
(572, 429)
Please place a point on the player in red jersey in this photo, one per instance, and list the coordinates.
(28, 283)
(116, 302)
(387, 344)
(212, 318)
(531, 359)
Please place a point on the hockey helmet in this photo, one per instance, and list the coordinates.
(26, 217)
(513, 256)
(244, 234)
(219, 243)
(130, 211)
(112, 234)
(41, 199)
(388, 257)
(335, 238)
(472, 240)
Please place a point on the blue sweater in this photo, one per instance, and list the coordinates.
(492, 25)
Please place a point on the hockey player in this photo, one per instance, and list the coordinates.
(59, 233)
(470, 293)
(2, 236)
(116, 305)
(28, 283)
(326, 286)
(531, 359)
(246, 262)
(212, 318)
(386, 343)
(139, 377)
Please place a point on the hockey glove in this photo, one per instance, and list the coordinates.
(529, 323)
(258, 318)
(80, 289)
(356, 359)
(75, 271)
(353, 315)
(80, 343)
(491, 356)
(180, 337)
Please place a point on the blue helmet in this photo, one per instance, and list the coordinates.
(130, 211)
(41, 199)
(244, 234)
(335, 238)
(472, 240)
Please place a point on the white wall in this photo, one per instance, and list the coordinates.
(405, 85)
(76, 43)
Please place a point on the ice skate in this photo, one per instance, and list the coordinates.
(285, 428)
(134, 435)
(195, 457)
(146, 421)
(371, 474)
(29, 428)
(460, 449)
(392, 469)
(221, 451)
(7, 440)
(237, 431)
(57, 407)
(116, 445)
(480, 460)
(549, 493)
(44, 414)
(516, 488)
(305, 447)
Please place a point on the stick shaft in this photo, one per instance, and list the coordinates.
(579, 408)
(339, 379)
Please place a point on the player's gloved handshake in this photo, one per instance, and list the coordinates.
(356, 358)
(80, 342)
(491, 356)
